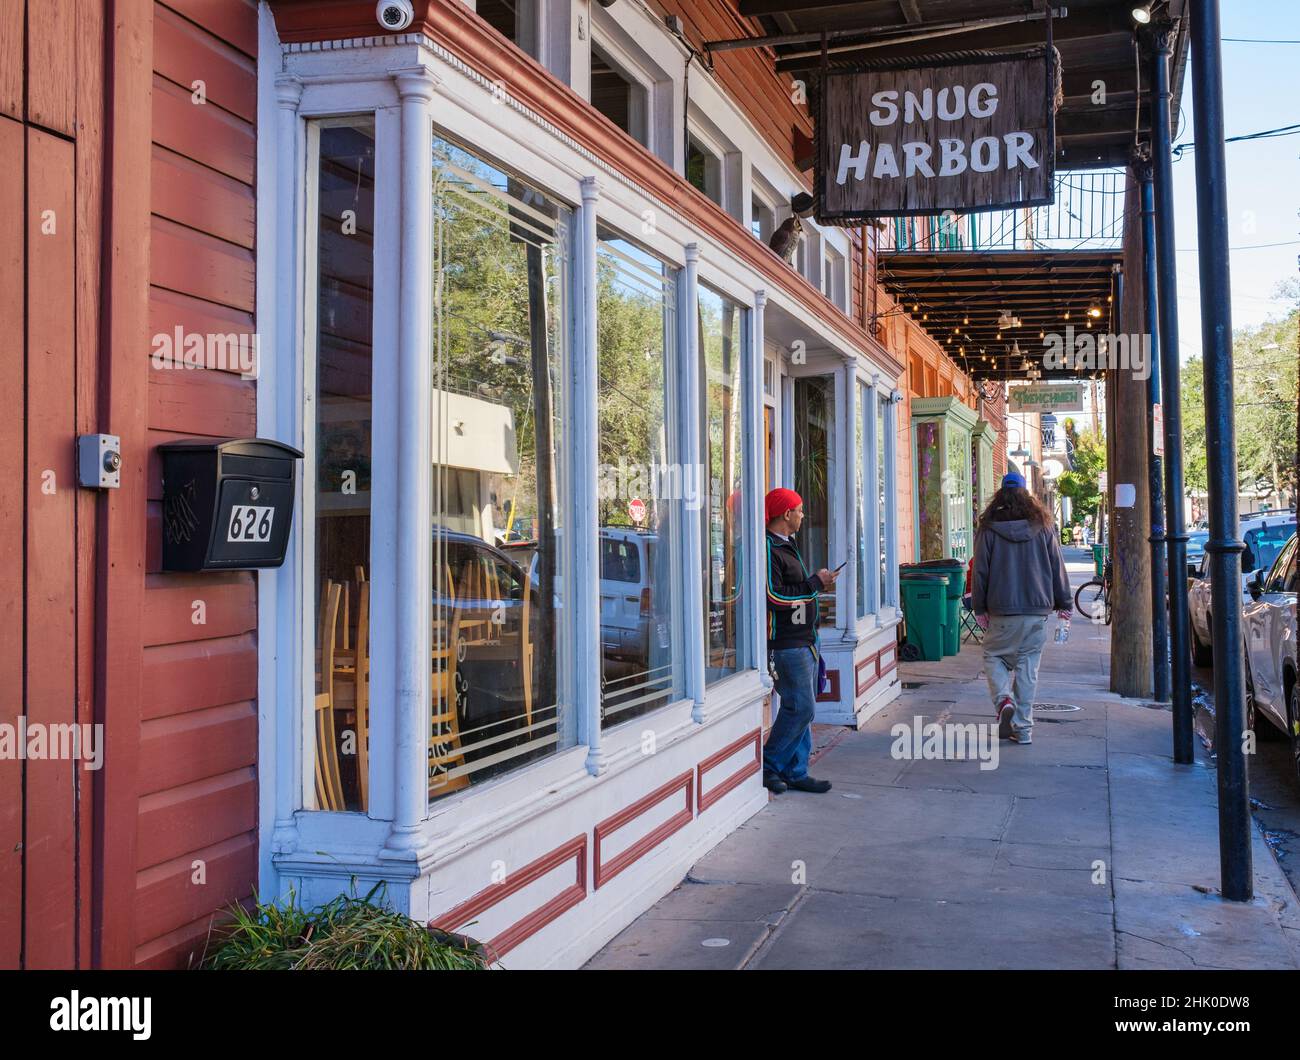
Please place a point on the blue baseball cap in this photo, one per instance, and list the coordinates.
(1013, 478)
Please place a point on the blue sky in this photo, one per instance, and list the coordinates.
(1261, 91)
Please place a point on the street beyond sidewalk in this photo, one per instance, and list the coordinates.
(1088, 849)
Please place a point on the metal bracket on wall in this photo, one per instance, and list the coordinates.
(99, 461)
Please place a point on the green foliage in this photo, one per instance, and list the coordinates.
(347, 933)
(1081, 484)
(1265, 401)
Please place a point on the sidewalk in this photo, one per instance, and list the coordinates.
(939, 864)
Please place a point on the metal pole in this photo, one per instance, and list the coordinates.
(1223, 546)
(1159, 616)
(1175, 523)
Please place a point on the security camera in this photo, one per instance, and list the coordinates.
(394, 14)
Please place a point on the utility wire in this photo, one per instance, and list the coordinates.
(1266, 134)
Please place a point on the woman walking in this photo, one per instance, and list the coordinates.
(1019, 579)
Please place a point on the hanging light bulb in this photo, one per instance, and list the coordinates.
(1094, 312)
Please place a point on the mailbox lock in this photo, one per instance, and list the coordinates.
(254, 492)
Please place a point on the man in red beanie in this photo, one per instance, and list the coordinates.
(792, 646)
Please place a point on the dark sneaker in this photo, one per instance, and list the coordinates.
(808, 784)
(1005, 714)
(773, 783)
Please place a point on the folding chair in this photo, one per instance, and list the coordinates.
(970, 628)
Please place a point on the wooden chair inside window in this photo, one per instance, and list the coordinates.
(445, 752)
(329, 784)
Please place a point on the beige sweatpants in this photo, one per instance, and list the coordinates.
(1013, 645)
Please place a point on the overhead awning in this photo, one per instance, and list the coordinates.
(969, 303)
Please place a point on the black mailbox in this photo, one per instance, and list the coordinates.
(226, 505)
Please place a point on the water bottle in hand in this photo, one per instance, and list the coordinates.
(1062, 629)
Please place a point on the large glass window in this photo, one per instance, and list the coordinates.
(500, 302)
(814, 471)
(861, 498)
(343, 237)
(641, 485)
(722, 345)
(956, 481)
(883, 498)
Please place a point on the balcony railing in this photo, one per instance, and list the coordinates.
(1087, 214)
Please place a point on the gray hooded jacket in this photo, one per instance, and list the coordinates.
(1018, 571)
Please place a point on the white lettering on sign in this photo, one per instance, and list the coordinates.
(986, 154)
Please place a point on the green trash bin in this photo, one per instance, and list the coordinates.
(955, 570)
(925, 612)
(1099, 560)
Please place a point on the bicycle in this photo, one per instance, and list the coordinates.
(1092, 598)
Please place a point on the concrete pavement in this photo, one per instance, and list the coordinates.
(1087, 849)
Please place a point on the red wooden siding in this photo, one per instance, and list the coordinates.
(196, 842)
(13, 314)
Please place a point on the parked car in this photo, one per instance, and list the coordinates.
(1269, 630)
(628, 623)
(1264, 538)
(1195, 549)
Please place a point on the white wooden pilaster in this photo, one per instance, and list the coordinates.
(582, 572)
(414, 521)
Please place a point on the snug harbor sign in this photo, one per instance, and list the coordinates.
(965, 136)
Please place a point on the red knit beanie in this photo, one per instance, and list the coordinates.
(780, 501)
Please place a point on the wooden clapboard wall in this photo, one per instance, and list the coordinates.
(137, 210)
(50, 197)
(196, 851)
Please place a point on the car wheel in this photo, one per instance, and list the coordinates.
(1293, 716)
(1267, 731)
(1201, 654)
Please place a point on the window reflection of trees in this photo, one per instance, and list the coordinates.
(499, 314)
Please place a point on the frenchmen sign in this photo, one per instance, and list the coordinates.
(971, 136)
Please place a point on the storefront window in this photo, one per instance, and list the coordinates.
(814, 471)
(500, 302)
(640, 485)
(929, 491)
(343, 234)
(882, 500)
(957, 494)
(861, 534)
(722, 407)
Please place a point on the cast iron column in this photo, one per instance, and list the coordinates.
(1175, 523)
(1159, 616)
(1223, 546)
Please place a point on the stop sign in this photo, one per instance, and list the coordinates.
(636, 510)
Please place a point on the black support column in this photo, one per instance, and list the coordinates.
(1223, 546)
(1175, 522)
(1155, 487)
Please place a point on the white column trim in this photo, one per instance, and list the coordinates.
(849, 374)
(755, 449)
(693, 582)
(871, 484)
(582, 413)
(415, 86)
(282, 395)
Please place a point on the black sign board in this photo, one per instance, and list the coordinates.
(965, 136)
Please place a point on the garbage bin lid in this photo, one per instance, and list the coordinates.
(917, 576)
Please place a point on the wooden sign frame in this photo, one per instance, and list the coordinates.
(824, 165)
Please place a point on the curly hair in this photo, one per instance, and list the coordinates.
(1014, 502)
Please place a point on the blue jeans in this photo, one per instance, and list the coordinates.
(790, 741)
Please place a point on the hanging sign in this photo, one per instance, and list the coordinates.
(1067, 397)
(978, 135)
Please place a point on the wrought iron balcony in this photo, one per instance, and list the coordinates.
(1087, 214)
